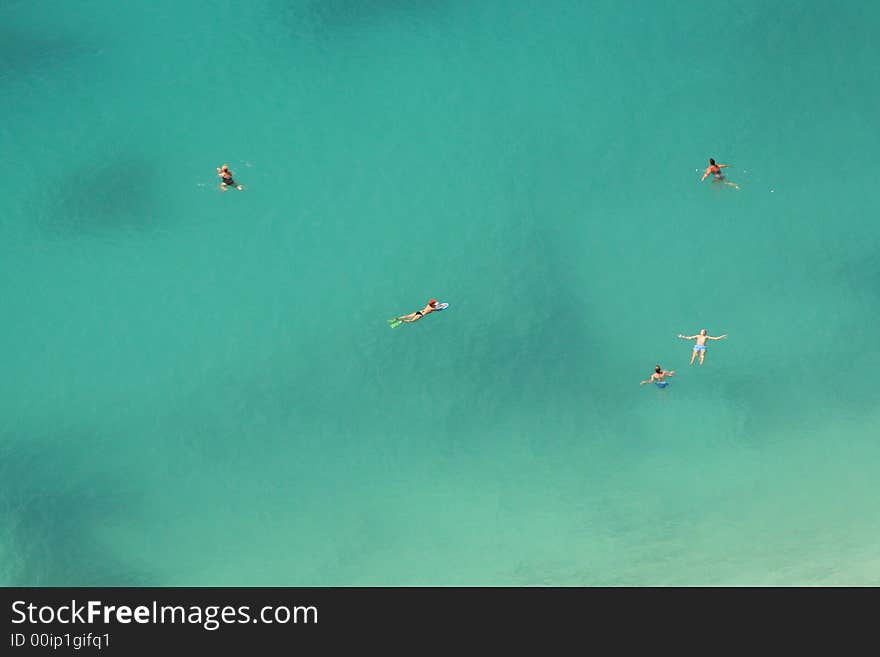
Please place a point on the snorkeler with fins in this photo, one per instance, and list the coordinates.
(431, 307)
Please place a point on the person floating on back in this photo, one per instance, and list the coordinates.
(658, 378)
(700, 346)
(226, 179)
(715, 170)
(417, 315)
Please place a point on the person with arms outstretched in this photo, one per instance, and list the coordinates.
(658, 378)
(700, 346)
(715, 170)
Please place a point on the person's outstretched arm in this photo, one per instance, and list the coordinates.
(720, 337)
(687, 337)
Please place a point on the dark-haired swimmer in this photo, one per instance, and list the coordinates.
(715, 170)
(658, 378)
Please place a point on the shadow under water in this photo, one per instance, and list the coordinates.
(23, 52)
(52, 520)
(93, 199)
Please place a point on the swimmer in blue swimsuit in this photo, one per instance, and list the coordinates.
(658, 378)
(700, 347)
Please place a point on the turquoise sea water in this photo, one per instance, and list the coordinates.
(201, 388)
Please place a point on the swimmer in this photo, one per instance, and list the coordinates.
(417, 315)
(715, 170)
(700, 347)
(658, 378)
(226, 179)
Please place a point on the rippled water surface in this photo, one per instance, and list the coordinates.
(201, 388)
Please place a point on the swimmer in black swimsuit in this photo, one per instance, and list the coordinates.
(226, 179)
(715, 170)
(417, 315)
